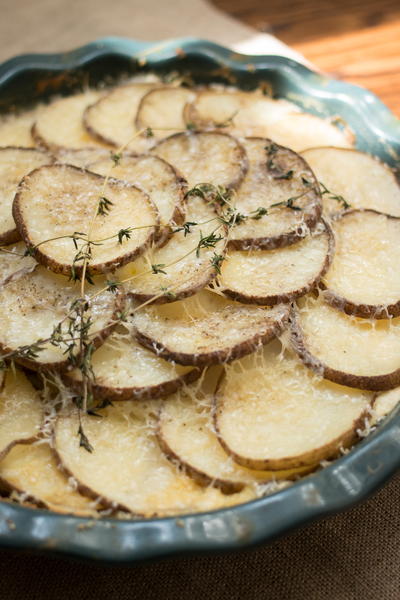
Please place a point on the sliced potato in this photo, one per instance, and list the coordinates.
(276, 177)
(82, 157)
(32, 470)
(15, 129)
(34, 303)
(124, 370)
(13, 261)
(272, 276)
(361, 353)
(181, 270)
(59, 200)
(161, 109)
(205, 157)
(362, 180)
(21, 412)
(59, 125)
(111, 119)
(207, 328)
(240, 113)
(186, 435)
(145, 482)
(14, 164)
(364, 277)
(157, 178)
(384, 403)
(300, 131)
(273, 413)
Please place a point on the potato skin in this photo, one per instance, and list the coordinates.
(311, 458)
(225, 485)
(365, 311)
(63, 268)
(292, 236)
(242, 153)
(216, 357)
(60, 366)
(13, 235)
(102, 392)
(374, 383)
(289, 297)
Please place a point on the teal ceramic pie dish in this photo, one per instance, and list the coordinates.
(347, 480)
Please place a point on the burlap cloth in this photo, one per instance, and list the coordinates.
(353, 556)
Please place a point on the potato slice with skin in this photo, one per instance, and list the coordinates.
(16, 128)
(272, 276)
(205, 157)
(59, 200)
(361, 353)
(361, 179)
(111, 119)
(161, 109)
(240, 113)
(82, 157)
(115, 379)
(186, 434)
(13, 261)
(275, 177)
(14, 164)
(183, 270)
(21, 412)
(145, 482)
(384, 403)
(273, 413)
(32, 470)
(36, 302)
(207, 329)
(60, 125)
(157, 178)
(300, 131)
(364, 278)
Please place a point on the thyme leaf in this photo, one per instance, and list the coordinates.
(104, 206)
(216, 262)
(158, 269)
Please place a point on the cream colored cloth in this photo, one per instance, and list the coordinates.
(59, 25)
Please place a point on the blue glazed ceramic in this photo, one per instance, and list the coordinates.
(346, 481)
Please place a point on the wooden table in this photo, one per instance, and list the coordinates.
(355, 40)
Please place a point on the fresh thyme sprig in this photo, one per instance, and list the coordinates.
(216, 261)
(212, 193)
(332, 196)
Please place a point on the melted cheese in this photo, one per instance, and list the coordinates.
(21, 412)
(144, 482)
(362, 347)
(60, 125)
(60, 200)
(156, 177)
(33, 471)
(365, 266)
(210, 157)
(262, 276)
(277, 411)
(208, 328)
(35, 302)
(112, 118)
(186, 428)
(185, 270)
(14, 164)
(362, 180)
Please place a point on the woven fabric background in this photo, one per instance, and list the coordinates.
(352, 556)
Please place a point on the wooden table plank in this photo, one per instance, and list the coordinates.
(352, 40)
